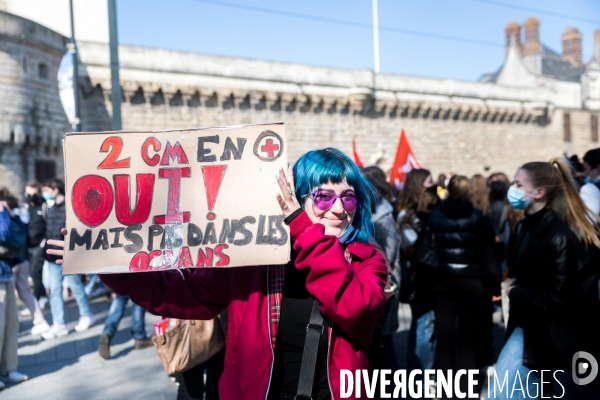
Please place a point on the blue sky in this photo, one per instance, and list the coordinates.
(207, 27)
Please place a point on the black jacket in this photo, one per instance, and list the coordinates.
(548, 262)
(55, 221)
(413, 285)
(465, 240)
(37, 224)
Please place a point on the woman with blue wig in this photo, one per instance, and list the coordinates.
(333, 285)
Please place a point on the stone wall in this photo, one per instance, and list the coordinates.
(32, 121)
(442, 144)
(453, 126)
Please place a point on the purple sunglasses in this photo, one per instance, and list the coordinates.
(324, 199)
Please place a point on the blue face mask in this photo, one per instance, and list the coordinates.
(48, 196)
(515, 198)
(348, 235)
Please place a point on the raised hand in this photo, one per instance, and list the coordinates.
(287, 198)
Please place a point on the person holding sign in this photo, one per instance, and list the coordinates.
(334, 276)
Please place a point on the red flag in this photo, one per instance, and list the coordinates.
(355, 154)
(404, 162)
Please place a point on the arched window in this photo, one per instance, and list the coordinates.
(42, 71)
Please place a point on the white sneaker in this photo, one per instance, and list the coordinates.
(84, 323)
(40, 328)
(43, 302)
(13, 377)
(56, 330)
(25, 313)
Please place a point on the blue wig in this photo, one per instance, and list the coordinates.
(330, 165)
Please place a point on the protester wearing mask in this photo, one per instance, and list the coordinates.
(554, 302)
(12, 238)
(467, 276)
(333, 271)
(49, 194)
(37, 210)
(590, 191)
(21, 269)
(54, 191)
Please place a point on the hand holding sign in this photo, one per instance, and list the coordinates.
(58, 243)
(287, 199)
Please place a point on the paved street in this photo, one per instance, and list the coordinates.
(70, 368)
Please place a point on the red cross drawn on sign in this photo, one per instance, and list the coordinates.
(270, 148)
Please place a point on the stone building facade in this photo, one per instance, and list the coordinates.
(538, 105)
(32, 120)
(519, 114)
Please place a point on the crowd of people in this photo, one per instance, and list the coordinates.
(528, 246)
(25, 228)
(454, 249)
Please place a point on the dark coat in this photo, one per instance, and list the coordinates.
(545, 300)
(386, 234)
(465, 241)
(37, 224)
(55, 221)
(415, 286)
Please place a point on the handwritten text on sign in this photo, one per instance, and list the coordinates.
(143, 201)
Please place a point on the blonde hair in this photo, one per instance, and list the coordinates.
(479, 193)
(555, 177)
(459, 188)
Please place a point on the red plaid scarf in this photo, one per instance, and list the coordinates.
(276, 275)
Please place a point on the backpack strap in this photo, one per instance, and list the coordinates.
(314, 330)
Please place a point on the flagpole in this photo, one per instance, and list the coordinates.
(115, 92)
(375, 37)
(72, 46)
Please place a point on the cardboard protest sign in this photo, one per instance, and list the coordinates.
(144, 201)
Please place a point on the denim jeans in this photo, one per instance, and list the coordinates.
(115, 313)
(57, 304)
(418, 309)
(510, 362)
(93, 281)
(425, 345)
(89, 286)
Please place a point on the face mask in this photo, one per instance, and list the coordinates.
(33, 198)
(432, 190)
(515, 198)
(347, 236)
(48, 196)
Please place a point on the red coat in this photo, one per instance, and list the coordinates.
(350, 296)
